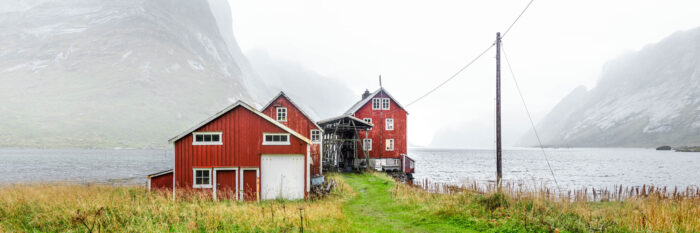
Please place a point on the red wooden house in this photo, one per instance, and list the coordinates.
(285, 111)
(241, 153)
(386, 142)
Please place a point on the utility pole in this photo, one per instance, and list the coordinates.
(498, 109)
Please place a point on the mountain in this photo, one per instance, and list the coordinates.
(127, 73)
(646, 98)
(319, 96)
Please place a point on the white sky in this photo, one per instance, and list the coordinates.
(556, 46)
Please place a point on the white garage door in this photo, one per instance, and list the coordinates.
(282, 176)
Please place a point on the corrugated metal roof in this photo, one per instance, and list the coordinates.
(364, 101)
(326, 121)
(246, 106)
(160, 173)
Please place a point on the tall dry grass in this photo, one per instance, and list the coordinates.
(101, 208)
(538, 208)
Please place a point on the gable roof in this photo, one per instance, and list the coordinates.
(364, 101)
(231, 107)
(349, 117)
(293, 104)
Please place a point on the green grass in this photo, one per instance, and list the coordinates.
(373, 209)
(370, 202)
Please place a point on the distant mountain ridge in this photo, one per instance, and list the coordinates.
(133, 73)
(643, 99)
(127, 73)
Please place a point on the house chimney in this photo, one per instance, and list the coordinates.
(364, 95)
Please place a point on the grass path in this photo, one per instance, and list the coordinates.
(373, 210)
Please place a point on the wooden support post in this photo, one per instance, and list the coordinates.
(498, 110)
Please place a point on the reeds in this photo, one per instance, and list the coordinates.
(102, 208)
(645, 208)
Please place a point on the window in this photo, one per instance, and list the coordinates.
(390, 144)
(315, 135)
(389, 123)
(368, 120)
(201, 178)
(206, 138)
(367, 144)
(281, 114)
(276, 139)
(376, 103)
(385, 103)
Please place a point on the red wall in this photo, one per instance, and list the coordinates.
(162, 182)
(378, 134)
(242, 136)
(298, 122)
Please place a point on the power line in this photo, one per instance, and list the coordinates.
(516, 19)
(532, 123)
(474, 60)
(453, 76)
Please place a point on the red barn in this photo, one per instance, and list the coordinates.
(285, 111)
(241, 153)
(161, 180)
(386, 142)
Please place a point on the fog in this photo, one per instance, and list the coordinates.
(555, 47)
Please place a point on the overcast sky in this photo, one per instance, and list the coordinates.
(555, 47)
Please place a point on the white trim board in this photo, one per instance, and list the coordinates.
(215, 186)
(241, 191)
(231, 107)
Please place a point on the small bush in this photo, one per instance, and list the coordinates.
(494, 201)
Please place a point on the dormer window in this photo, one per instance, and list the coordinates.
(281, 114)
(376, 103)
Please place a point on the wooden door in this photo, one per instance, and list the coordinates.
(226, 185)
(250, 185)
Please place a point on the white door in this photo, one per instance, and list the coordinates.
(282, 176)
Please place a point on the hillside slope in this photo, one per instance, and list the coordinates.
(643, 99)
(128, 73)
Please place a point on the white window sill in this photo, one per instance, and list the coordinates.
(206, 186)
(208, 144)
(276, 144)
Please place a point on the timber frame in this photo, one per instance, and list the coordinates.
(341, 136)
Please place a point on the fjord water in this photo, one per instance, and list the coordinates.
(82, 165)
(574, 168)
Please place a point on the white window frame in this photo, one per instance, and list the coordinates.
(387, 102)
(277, 114)
(377, 105)
(194, 178)
(387, 125)
(390, 142)
(273, 143)
(196, 143)
(368, 120)
(365, 143)
(312, 135)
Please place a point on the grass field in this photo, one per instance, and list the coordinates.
(360, 203)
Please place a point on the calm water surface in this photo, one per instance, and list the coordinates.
(82, 166)
(573, 168)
